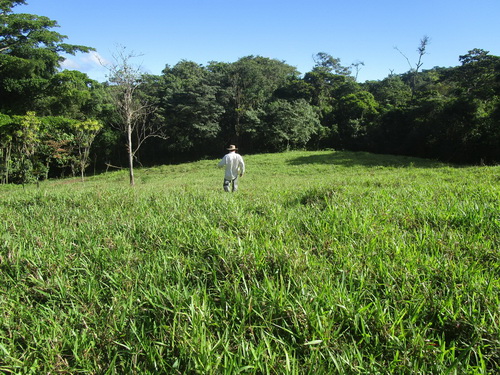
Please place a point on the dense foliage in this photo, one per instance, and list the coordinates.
(261, 104)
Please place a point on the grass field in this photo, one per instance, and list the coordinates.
(323, 263)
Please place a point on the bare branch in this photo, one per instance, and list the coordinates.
(357, 66)
(414, 70)
(407, 59)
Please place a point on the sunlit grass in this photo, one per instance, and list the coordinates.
(323, 262)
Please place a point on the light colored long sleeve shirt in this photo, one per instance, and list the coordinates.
(234, 165)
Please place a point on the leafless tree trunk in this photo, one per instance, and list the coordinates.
(357, 67)
(130, 153)
(133, 110)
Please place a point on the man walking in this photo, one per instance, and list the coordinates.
(234, 167)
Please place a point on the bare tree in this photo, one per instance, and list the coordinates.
(357, 67)
(421, 52)
(134, 111)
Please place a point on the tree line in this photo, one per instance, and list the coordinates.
(55, 123)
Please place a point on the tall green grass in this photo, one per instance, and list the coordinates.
(323, 262)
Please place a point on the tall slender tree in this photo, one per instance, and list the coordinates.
(132, 108)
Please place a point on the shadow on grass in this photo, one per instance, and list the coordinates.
(351, 159)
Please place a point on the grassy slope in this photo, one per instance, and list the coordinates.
(324, 262)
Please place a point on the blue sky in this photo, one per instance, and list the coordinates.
(168, 31)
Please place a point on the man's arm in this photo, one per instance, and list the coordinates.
(222, 162)
(242, 167)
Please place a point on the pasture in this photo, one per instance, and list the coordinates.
(324, 262)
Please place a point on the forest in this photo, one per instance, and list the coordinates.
(56, 123)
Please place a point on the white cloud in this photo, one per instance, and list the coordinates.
(70, 64)
(95, 58)
(91, 63)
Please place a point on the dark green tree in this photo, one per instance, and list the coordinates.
(72, 94)
(391, 92)
(6, 145)
(478, 74)
(328, 63)
(28, 133)
(30, 53)
(356, 113)
(327, 83)
(252, 82)
(190, 107)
